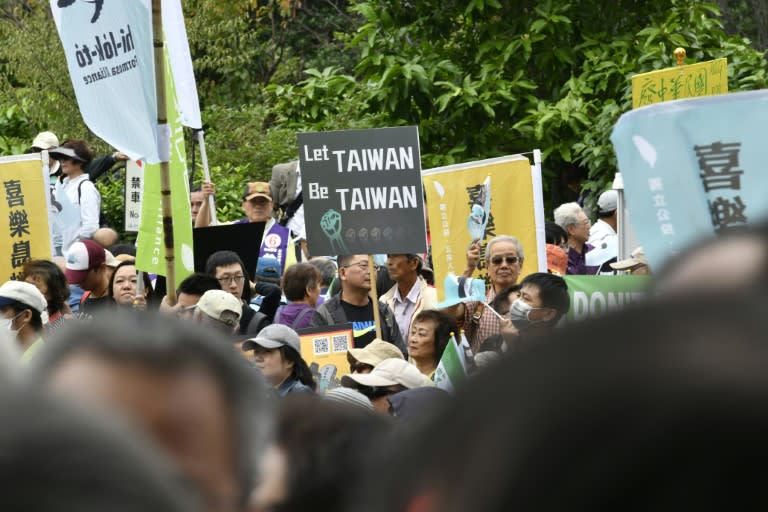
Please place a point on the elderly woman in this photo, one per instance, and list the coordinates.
(430, 332)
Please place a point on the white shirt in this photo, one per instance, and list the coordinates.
(76, 217)
(599, 231)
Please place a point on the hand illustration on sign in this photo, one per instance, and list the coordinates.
(330, 223)
(479, 212)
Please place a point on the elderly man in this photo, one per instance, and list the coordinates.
(411, 294)
(504, 259)
(575, 222)
(277, 245)
(353, 304)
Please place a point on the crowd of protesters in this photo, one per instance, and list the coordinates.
(208, 403)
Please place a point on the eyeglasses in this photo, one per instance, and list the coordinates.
(511, 260)
(362, 265)
(230, 279)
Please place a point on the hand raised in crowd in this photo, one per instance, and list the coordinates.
(473, 258)
(208, 189)
(120, 156)
(166, 308)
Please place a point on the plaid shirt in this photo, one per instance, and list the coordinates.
(488, 326)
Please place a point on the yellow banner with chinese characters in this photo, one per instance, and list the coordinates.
(693, 80)
(24, 231)
(458, 196)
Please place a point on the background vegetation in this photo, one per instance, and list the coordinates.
(481, 78)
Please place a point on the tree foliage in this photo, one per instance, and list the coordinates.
(481, 78)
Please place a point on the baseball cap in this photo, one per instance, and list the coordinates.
(268, 267)
(82, 257)
(214, 303)
(45, 140)
(256, 189)
(349, 396)
(26, 293)
(274, 336)
(375, 352)
(608, 201)
(60, 153)
(110, 259)
(636, 257)
(389, 372)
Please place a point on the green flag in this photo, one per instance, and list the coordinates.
(150, 254)
(452, 370)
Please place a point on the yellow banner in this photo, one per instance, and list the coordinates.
(24, 232)
(701, 79)
(455, 192)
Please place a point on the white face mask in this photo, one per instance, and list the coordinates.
(6, 324)
(520, 314)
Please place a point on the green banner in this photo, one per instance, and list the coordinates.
(596, 295)
(150, 255)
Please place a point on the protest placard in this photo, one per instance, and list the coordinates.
(481, 200)
(362, 191)
(325, 351)
(593, 296)
(693, 168)
(24, 208)
(134, 185)
(243, 239)
(689, 81)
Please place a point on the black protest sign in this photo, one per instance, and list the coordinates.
(362, 191)
(243, 239)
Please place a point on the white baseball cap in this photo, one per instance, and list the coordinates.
(214, 303)
(25, 293)
(389, 372)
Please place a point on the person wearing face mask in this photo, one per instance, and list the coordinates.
(543, 301)
(23, 314)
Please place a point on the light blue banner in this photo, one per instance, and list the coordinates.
(109, 53)
(692, 168)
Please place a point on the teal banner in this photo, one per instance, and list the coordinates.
(593, 296)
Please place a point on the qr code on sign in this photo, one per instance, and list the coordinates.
(321, 347)
(340, 343)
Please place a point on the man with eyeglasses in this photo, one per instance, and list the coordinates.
(575, 222)
(353, 304)
(504, 260)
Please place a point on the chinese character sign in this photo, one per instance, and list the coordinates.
(478, 201)
(691, 81)
(24, 231)
(108, 46)
(693, 168)
(362, 191)
(134, 185)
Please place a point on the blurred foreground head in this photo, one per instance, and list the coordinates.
(56, 457)
(660, 407)
(190, 392)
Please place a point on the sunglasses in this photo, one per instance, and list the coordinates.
(511, 260)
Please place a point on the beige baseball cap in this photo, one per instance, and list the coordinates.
(375, 352)
(389, 372)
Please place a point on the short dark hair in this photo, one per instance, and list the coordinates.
(80, 148)
(55, 281)
(172, 346)
(224, 258)
(44, 444)
(119, 249)
(503, 297)
(444, 326)
(197, 284)
(344, 260)
(297, 278)
(322, 442)
(553, 292)
(554, 234)
(327, 269)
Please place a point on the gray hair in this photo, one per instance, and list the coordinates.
(169, 345)
(504, 238)
(567, 215)
(327, 269)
